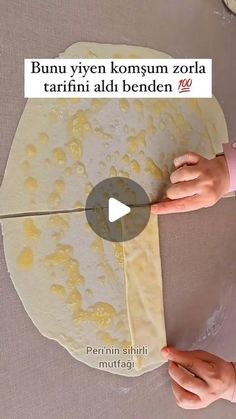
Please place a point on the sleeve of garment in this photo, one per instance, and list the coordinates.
(230, 155)
(234, 395)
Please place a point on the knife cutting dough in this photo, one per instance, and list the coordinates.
(86, 293)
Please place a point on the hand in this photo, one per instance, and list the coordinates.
(208, 378)
(196, 183)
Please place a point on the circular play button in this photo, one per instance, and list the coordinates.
(117, 209)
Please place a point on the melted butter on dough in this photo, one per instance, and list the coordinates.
(138, 105)
(102, 134)
(125, 159)
(30, 229)
(74, 297)
(97, 104)
(79, 169)
(58, 290)
(63, 258)
(151, 129)
(79, 125)
(59, 156)
(108, 272)
(118, 252)
(54, 200)
(124, 105)
(43, 138)
(135, 167)
(123, 173)
(152, 169)
(134, 142)
(78, 204)
(25, 259)
(113, 171)
(31, 150)
(101, 314)
(31, 184)
(59, 186)
(194, 106)
(88, 187)
(97, 245)
(59, 221)
(75, 148)
(68, 171)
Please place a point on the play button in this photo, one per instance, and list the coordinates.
(117, 209)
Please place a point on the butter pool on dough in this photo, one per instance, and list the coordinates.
(78, 289)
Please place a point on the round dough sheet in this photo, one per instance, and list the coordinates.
(78, 289)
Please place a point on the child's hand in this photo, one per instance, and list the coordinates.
(211, 378)
(196, 183)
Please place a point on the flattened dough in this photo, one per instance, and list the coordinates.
(72, 285)
(78, 289)
(70, 281)
(144, 295)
